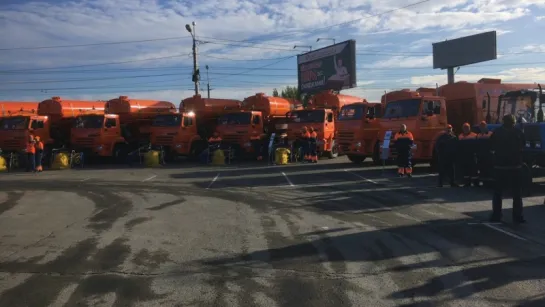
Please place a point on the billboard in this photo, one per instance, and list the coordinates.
(332, 67)
(465, 50)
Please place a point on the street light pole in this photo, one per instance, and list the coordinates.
(196, 73)
(207, 82)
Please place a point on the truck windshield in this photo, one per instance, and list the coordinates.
(402, 108)
(236, 119)
(352, 112)
(14, 123)
(310, 116)
(89, 122)
(170, 120)
(521, 106)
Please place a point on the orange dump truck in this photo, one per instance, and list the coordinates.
(357, 129)
(15, 124)
(124, 127)
(321, 116)
(427, 112)
(258, 114)
(186, 133)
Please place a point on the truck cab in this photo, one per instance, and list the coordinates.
(322, 121)
(16, 128)
(357, 128)
(96, 134)
(422, 112)
(177, 134)
(241, 128)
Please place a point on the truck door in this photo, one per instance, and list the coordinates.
(38, 128)
(257, 127)
(189, 131)
(111, 133)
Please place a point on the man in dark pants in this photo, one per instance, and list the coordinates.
(507, 143)
(404, 141)
(446, 150)
(31, 154)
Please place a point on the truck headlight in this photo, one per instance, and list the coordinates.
(538, 144)
(99, 148)
(178, 145)
(358, 144)
(247, 144)
(527, 144)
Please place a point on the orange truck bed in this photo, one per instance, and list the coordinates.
(208, 107)
(7, 107)
(330, 100)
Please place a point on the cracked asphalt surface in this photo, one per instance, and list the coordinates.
(332, 234)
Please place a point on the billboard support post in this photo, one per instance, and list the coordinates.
(450, 75)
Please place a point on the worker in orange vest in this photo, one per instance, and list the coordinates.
(404, 142)
(313, 152)
(305, 137)
(467, 158)
(39, 153)
(31, 154)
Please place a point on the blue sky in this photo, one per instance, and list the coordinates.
(393, 49)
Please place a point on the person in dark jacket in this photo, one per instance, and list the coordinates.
(507, 144)
(446, 150)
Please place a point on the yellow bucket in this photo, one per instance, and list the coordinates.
(281, 156)
(61, 161)
(218, 157)
(151, 158)
(3, 164)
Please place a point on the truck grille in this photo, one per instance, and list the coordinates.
(87, 142)
(164, 140)
(13, 145)
(232, 138)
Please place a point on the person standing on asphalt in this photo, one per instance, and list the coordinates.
(305, 136)
(31, 154)
(446, 147)
(313, 154)
(466, 149)
(404, 141)
(507, 144)
(39, 154)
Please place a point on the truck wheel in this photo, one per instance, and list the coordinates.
(197, 147)
(334, 153)
(376, 155)
(356, 159)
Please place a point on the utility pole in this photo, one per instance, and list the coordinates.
(196, 73)
(207, 82)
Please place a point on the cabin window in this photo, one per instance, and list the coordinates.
(329, 117)
(110, 122)
(257, 120)
(431, 107)
(37, 124)
(188, 121)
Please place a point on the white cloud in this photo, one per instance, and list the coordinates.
(518, 75)
(540, 18)
(404, 62)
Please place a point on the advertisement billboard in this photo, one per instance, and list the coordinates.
(465, 50)
(332, 67)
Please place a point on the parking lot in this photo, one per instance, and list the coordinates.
(331, 234)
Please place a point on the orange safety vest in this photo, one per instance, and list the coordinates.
(406, 134)
(484, 135)
(471, 135)
(313, 135)
(30, 148)
(39, 145)
(305, 135)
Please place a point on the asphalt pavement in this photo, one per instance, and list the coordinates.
(331, 234)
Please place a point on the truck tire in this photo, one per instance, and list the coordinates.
(334, 152)
(119, 154)
(197, 147)
(356, 159)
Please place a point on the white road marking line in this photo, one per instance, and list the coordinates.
(289, 181)
(361, 177)
(85, 179)
(213, 180)
(149, 178)
(504, 231)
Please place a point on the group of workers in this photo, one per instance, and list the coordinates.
(35, 151)
(497, 155)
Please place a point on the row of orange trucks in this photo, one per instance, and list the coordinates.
(345, 124)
